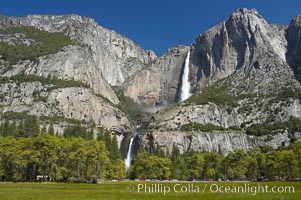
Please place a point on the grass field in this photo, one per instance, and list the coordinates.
(123, 190)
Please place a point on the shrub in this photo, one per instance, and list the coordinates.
(45, 43)
(58, 83)
(200, 127)
(215, 93)
(293, 125)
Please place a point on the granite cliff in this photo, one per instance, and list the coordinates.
(158, 84)
(97, 57)
(243, 73)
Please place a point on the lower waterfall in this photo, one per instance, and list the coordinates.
(128, 159)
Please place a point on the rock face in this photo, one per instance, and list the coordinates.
(236, 43)
(71, 103)
(223, 142)
(248, 55)
(293, 36)
(74, 63)
(98, 58)
(159, 83)
(243, 71)
(256, 64)
(115, 56)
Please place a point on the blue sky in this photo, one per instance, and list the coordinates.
(155, 24)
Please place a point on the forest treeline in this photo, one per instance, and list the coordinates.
(84, 154)
(76, 159)
(258, 163)
(71, 159)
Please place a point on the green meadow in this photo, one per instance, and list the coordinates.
(123, 190)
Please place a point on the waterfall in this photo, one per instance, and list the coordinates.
(128, 159)
(185, 88)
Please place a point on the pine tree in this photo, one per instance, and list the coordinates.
(51, 129)
(1, 129)
(12, 129)
(35, 126)
(21, 129)
(114, 153)
(91, 134)
(82, 132)
(5, 128)
(31, 126)
(178, 163)
(108, 140)
(159, 152)
(44, 129)
(100, 135)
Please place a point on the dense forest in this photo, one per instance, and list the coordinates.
(62, 159)
(77, 156)
(27, 151)
(258, 163)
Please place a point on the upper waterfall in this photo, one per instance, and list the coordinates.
(185, 88)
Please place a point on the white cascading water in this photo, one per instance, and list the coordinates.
(128, 159)
(185, 89)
